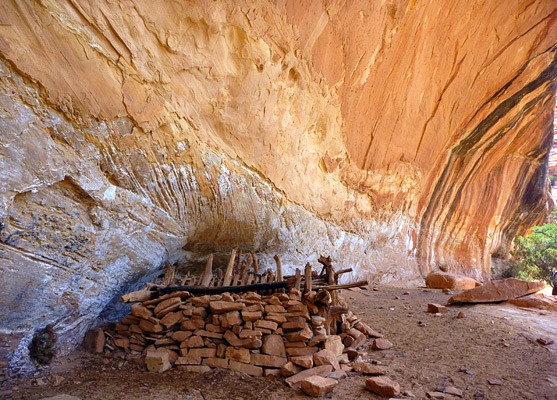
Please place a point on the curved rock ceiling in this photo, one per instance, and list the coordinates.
(395, 136)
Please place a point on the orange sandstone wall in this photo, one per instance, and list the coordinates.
(394, 136)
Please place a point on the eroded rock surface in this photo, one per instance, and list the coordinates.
(392, 136)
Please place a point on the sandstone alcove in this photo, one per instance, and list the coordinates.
(396, 137)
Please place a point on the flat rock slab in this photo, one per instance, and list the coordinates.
(322, 370)
(536, 300)
(317, 385)
(383, 386)
(501, 290)
(446, 280)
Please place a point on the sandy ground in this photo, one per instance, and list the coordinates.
(491, 342)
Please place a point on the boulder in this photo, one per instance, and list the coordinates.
(501, 290)
(446, 280)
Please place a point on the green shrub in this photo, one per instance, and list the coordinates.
(535, 255)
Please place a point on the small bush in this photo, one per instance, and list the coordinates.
(535, 255)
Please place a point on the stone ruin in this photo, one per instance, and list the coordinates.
(297, 327)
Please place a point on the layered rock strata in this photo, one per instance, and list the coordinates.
(393, 136)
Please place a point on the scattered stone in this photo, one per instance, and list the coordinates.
(454, 391)
(447, 291)
(290, 369)
(317, 385)
(545, 341)
(495, 291)
(460, 315)
(436, 395)
(157, 361)
(436, 308)
(334, 343)
(238, 354)
(381, 344)
(267, 360)
(303, 361)
(368, 369)
(245, 368)
(444, 280)
(322, 370)
(273, 345)
(383, 386)
(94, 341)
(219, 307)
(326, 357)
(495, 382)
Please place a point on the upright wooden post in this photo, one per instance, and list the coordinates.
(229, 268)
(279, 267)
(308, 282)
(298, 279)
(208, 273)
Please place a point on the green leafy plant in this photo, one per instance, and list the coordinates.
(535, 255)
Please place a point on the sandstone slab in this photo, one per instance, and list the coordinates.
(495, 291)
(383, 386)
(317, 386)
(446, 280)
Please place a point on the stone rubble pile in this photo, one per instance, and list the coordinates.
(260, 335)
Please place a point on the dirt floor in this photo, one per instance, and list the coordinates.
(495, 342)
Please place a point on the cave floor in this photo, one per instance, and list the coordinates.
(492, 342)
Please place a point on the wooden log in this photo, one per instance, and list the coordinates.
(279, 267)
(237, 266)
(345, 286)
(342, 271)
(219, 277)
(307, 279)
(298, 279)
(208, 273)
(196, 290)
(135, 297)
(166, 279)
(229, 268)
(244, 275)
(255, 263)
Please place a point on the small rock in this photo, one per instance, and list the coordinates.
(436, 395)
(447, 291)
(454, 391)
(460, 315)
(381, 344)
(545, 341)
(368, 369)
(495, 382)
(56, 380)
(436, 308)
(478, 395)
(317, 385)
(406, 293)
(383, 386)
(61, 397)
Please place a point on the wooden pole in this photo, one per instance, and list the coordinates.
(308, 281)
(208, 273)
(298, 279)
(229, 268)
(255, 264)
(279, 267)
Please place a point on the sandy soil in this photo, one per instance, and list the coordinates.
(491, 342)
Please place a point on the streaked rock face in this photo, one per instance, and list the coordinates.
(392, 136)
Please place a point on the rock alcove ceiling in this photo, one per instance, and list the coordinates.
(394, 136)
